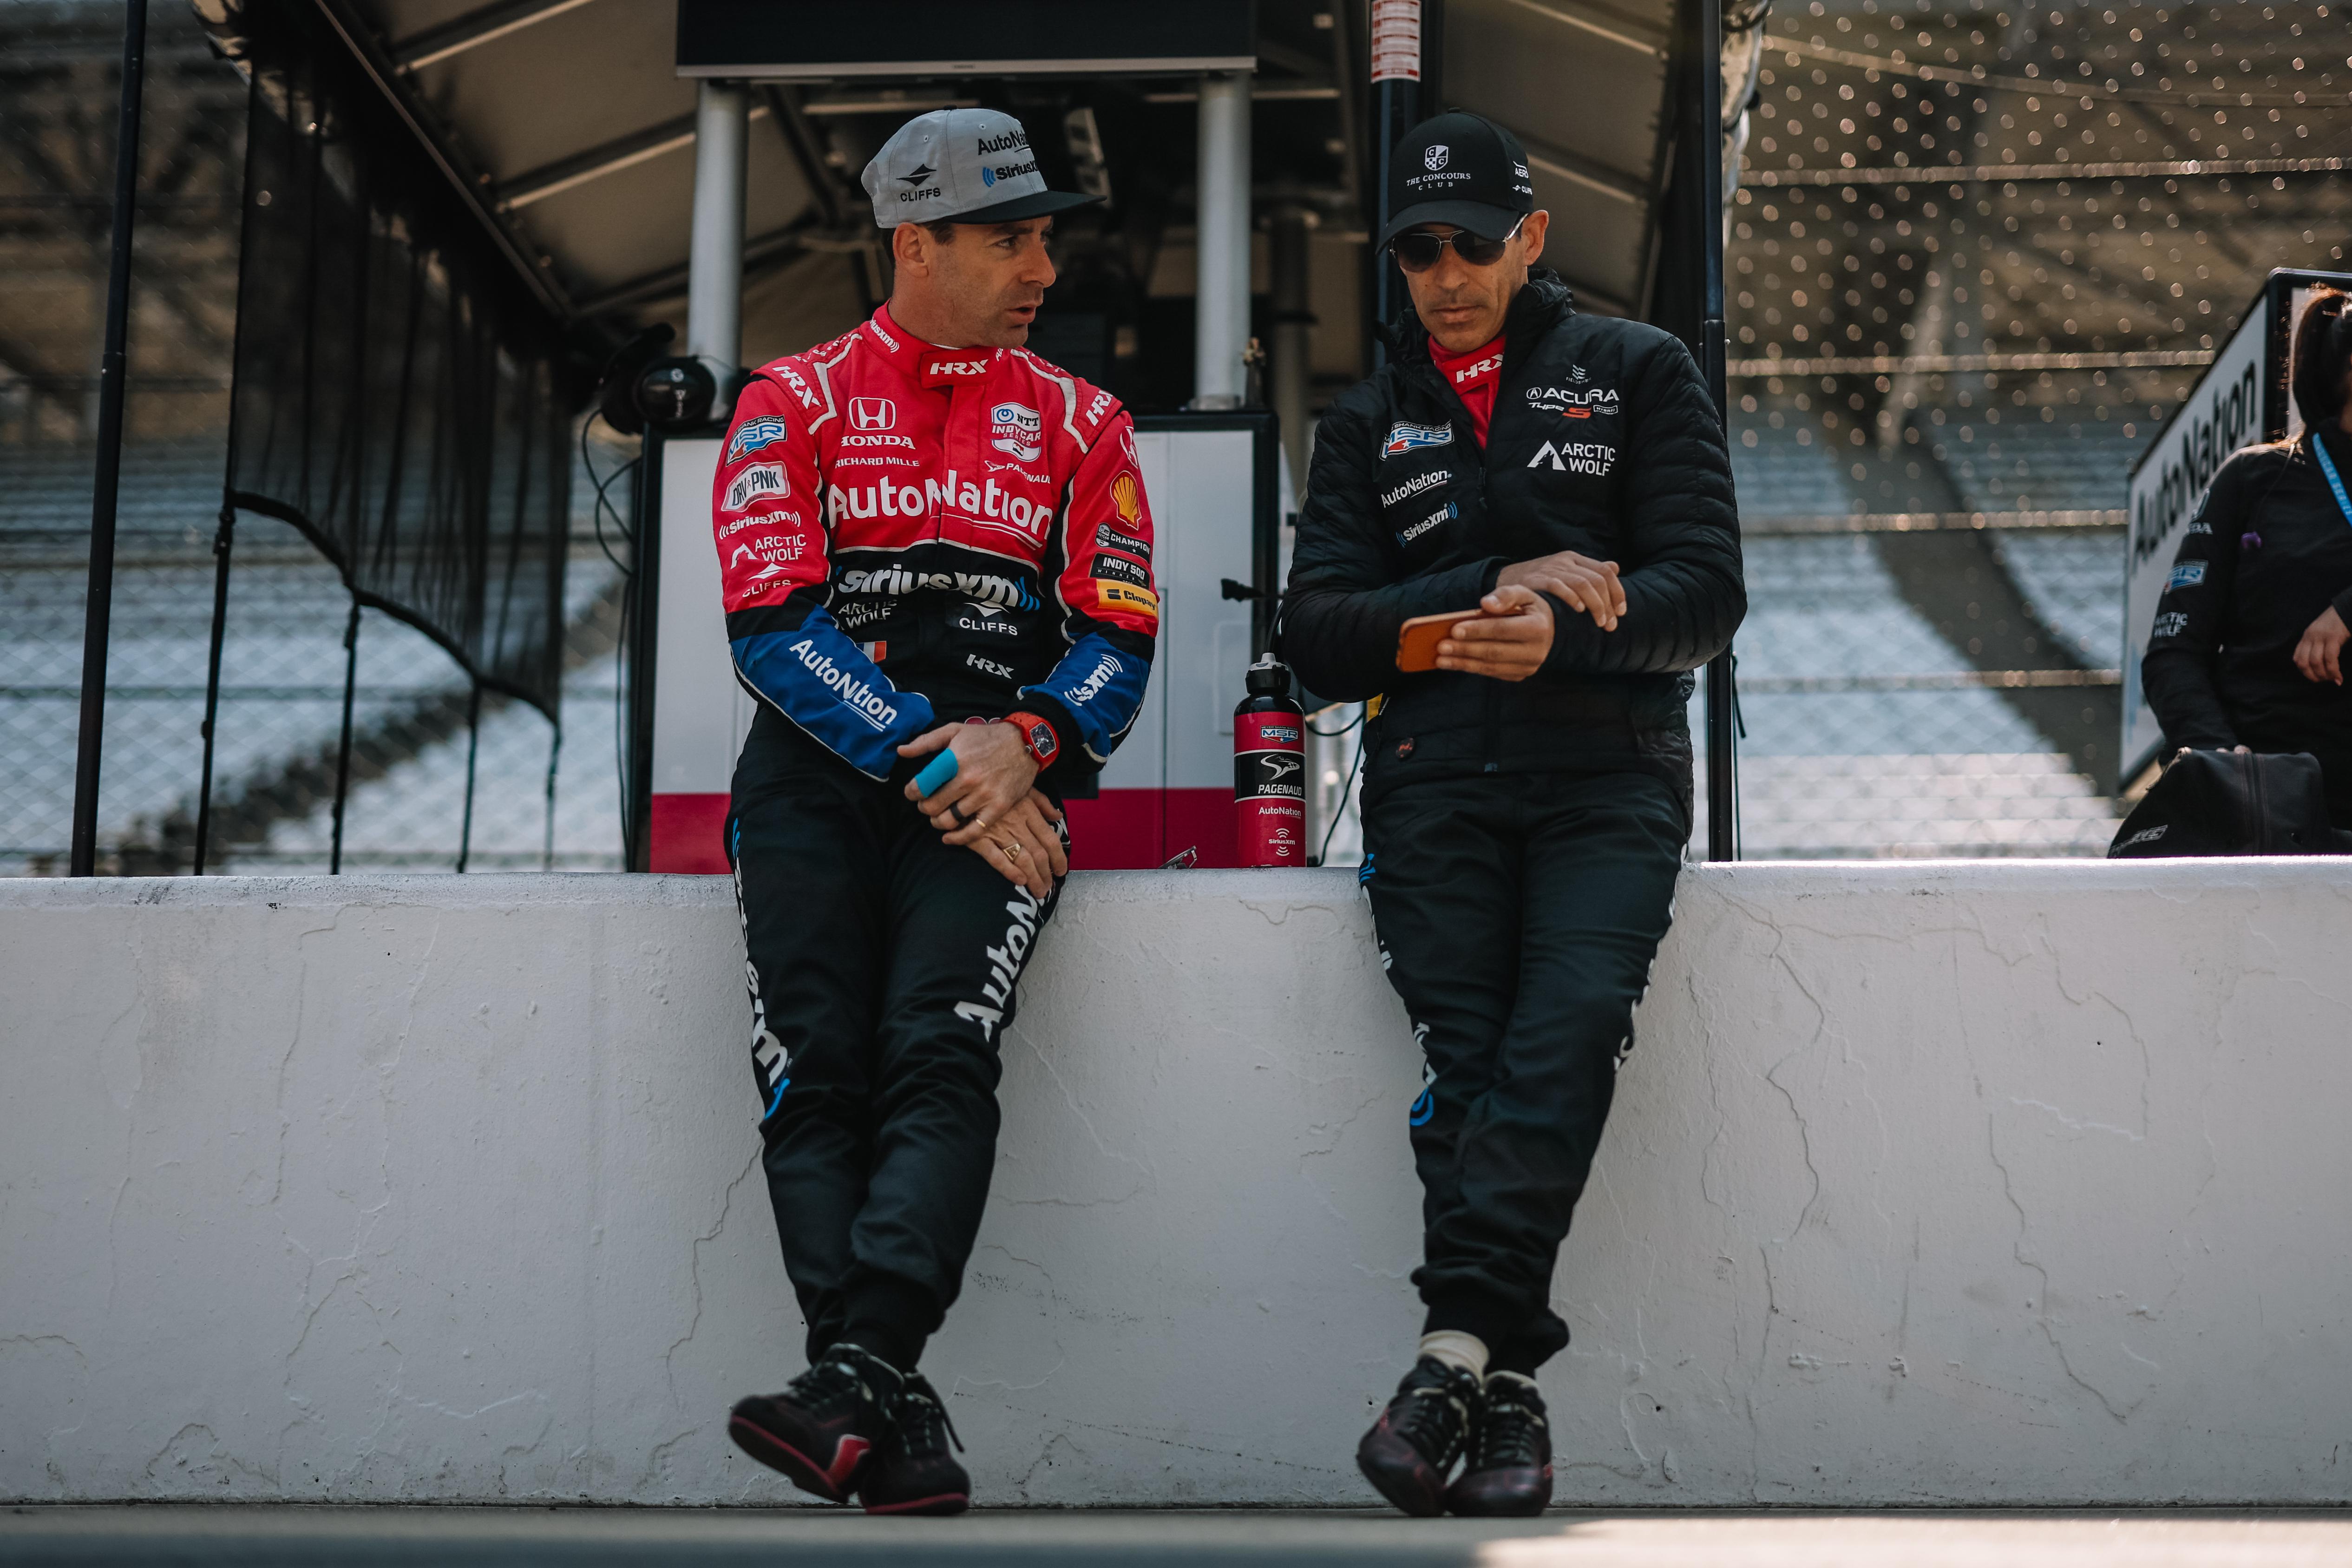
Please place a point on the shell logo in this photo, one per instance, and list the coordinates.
(1126, 496)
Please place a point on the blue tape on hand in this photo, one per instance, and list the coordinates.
(936, 775)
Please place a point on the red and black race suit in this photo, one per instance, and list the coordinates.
(909, 535)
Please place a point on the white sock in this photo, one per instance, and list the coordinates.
(1466, 1352)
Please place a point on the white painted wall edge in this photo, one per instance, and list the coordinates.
(1928, 1183)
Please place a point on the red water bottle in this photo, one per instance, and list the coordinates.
(1270, 769)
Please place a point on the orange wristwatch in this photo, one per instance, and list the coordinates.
(1038, 736)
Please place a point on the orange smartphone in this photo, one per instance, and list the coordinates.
(1417, 639)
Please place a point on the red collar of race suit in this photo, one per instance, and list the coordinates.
(1471, 370)
(928, 364)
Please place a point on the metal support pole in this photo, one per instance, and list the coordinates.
(714, 289)
(98, 606)
(1703, 95)
(343, 750)
(1396, 108)
(1221, 313)
(554, 750)
(1292, 322)
(224, 539)
(473, 752)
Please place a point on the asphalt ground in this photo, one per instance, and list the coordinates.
(282, 1536)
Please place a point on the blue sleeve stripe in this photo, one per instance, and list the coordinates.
(820, 680)
(1103, 689)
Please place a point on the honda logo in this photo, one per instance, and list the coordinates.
(873, 412)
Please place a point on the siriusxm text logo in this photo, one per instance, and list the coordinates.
(1403, 438)
(1426, 524)
(1415, 485)
(1005, 593)
(855, 694)
(1087, 690)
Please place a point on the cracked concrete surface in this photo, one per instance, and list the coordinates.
(2005, 1181)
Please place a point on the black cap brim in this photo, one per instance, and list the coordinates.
(1484, 219)
(1045, 204)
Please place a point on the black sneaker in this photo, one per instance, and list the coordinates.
(912, 1471)
(1413, 1444)
(821, 1429)
(1508, 1474)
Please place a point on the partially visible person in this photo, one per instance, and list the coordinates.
(929, 540)
(2247, 647)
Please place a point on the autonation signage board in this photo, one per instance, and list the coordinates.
(2240, 400)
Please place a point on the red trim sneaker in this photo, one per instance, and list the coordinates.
(912, 1471)
(822, 1430)
(1413, 1447)
(1508, 1474)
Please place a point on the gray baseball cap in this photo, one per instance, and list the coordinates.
(961, 166)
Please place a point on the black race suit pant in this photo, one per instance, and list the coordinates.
(882, 965)
(1519, 915)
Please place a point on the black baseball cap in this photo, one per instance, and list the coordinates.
(1459, 169)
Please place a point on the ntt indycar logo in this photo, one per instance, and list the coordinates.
(855, 694)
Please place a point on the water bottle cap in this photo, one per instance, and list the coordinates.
(1269, 677)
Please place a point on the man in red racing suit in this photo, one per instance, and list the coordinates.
(930, 539)
(909, 533)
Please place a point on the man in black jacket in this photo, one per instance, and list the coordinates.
(1562, 480)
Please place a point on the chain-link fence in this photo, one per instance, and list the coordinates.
(283, 664)
(1979, 252)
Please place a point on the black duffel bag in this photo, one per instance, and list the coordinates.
(2231, 803)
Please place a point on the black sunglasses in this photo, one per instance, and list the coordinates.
(1418, 251)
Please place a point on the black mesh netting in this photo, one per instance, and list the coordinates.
(399, 396)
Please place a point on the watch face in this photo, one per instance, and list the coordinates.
(1041, 740)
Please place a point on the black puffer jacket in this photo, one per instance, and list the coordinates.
(1603, 441)
(2266, 553)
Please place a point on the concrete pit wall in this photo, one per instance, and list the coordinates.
(1992, 1182)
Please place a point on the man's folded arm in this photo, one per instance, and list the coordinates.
(1685, 593)
(1340, 617)
(774, 562)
